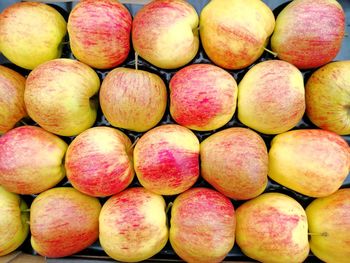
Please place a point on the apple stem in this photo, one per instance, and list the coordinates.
(23, 122)
(168, 207)
(65, 42)
(346, 34)
(25, 210)
(28, 222)
(324, 234)
(133, 144)
(271, 52)
(136, 61)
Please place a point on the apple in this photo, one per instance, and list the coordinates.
(235, 162)
(63, 221)
(234, 33)
(99, 33)
(202, 227)
(329, 226)
(166, 159)
(12, 108)
(133, 225)
(133, 99)
(328, 97)
(99, 162)
(31, 33)
(165, 33)
(59, 96)
(202, 97)
(13, 221)
(311, 162)
(309, 33)
(31, 160)
(272, 228)
(271, 97)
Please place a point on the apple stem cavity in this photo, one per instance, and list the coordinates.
(271, 52)
(136, 63)
(324, 234)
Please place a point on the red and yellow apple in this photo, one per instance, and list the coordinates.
(165, 33)
(133, 99)
(312, 162)
(235, 162)
(234, 33)
(202, 97)
(12, 108)
(31, 33)
(328, 97)
(271, 97)
(133, 225)
(31, 160)
(329, 226)
(309, 33)
(272, 228)
(99, 33)
(202, 227)
(99, 162)
(13, 221)
(63, 221)
(59, 96)
(166, 159)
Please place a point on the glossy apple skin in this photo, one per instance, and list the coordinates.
(271, 97)
(202, 225)
(31, 33)
(133, 225)
(99, 162)
(12, 108)
(309, 33)
(63, 221)
(237, 37)
(31, 160)
(235, 162)
(166, 159)
(58, 96)
(328, 97)
(13, 221)
(329, 223)
(272, 228)
(99, 33)
(312, 162)
(202, 97)
(165, 33)
(133, 99)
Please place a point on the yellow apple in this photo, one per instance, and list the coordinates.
(133, 99)
(273, 228)
(133, 225)
(165, 33)
(329, 226)
(312, 162)
(31, 160)
(14, 227)
(12, 108)
(235, 161)
(271, 97)
(59, 96)
(328, 97)
(31, 33)
(234, 33)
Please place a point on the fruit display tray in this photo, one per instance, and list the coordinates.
(95, 251)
